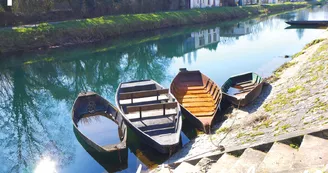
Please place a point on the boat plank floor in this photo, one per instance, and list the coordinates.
(203, 114)
(195, 92)
(190, 88)
(245, 82)
(194, 100)
(198, 104)
(194, 96)
(198, 101)
(191, 84)
(201, 109)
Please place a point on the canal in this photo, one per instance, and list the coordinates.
(37, 89)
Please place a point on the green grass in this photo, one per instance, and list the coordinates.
(295, 146)
(294, 89)
(241, 134)
(285, 127)
(318, 105)
(316, 41)
(279, 70)
(94, 29)
(223, 130)
(256, 134)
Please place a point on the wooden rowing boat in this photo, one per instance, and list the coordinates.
(242, 89)
(151, 112)
(309, 23)
(198, 96)
(118, 160)
(87, 106)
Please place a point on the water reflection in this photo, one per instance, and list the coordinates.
(46, 165)
(37, 89)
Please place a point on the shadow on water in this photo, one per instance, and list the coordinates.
(149, 157)
(111, 161)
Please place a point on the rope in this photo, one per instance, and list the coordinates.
(218, 146)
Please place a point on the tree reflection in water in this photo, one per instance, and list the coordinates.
(37, 89)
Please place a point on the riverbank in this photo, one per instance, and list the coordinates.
(295, 101)
(47, 35)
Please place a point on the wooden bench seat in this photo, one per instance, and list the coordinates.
(140, 94)
(151, 107)
(152, 115)
(160, 98)
(245, 82)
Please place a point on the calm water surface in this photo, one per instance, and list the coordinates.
(38, 89)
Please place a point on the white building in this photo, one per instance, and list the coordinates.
(206, 37)
(204, 3)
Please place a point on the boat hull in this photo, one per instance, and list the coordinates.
(195, 121)
(147, 139)
(118, 158)
(191, 88)
(88, 104)
(247, 100)
(250, 86)
(308, 23)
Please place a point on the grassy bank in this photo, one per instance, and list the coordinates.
(89, 30)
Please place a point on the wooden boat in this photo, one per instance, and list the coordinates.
(242, 89)
(151, 112)
(118, 160)
(198, 96)
(89, 104)
(309, 23)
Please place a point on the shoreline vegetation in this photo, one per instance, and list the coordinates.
(47, 35)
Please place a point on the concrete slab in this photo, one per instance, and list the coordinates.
(312, 152)
(224, 164)
(185, 167)
(248, 161)
(279, 158)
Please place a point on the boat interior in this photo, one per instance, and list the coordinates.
(149, 107)
(88, 106)
(241, 85)
(197, 93)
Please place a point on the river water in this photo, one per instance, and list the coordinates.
(37, 89)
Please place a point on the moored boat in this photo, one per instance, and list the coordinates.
(118, 159)
(90, 105)
(243, 88)
(152, 113)
(308, 23)
(198, 96)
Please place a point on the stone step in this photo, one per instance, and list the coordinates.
(248, 161)
(204, 164)
(223, 164)
(279, 158)
(312, 152)
(185, 167)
